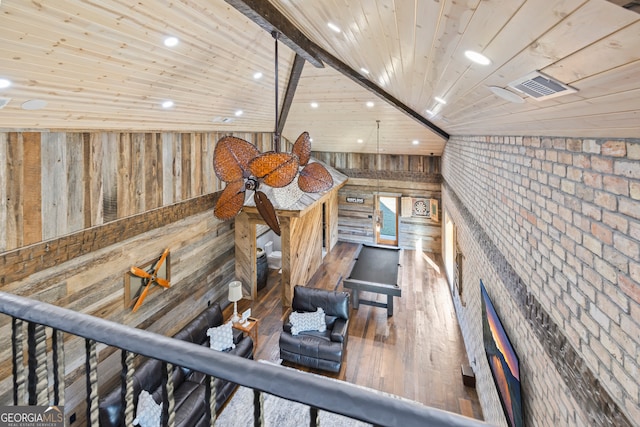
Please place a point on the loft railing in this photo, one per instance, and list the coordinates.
(34, 385)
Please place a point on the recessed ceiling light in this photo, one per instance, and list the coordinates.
(360, 141)
(370, 104)
(476, 57)
(239, 113)
(415, 142)
(314, 105)
(171, 41)
(440, 100)
(257, 75)
(364, 71)
(431, 113)
(333, 27)
(167, 104)
(4, 83)
(34, 104)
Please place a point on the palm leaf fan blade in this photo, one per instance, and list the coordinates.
(230, 201)
(314, 178)
(302, 148)
(266, 210)
(275, 169)
(231, 158)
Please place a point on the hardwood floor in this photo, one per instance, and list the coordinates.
(417, 353)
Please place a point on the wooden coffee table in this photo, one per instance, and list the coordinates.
(250, 327)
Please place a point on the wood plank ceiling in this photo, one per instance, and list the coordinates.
(103, 65)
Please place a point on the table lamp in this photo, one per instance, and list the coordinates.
(235, 295)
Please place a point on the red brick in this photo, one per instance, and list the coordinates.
(630, 207)
(574, 144)
(627, 246)
(629, 287)
(634, 188)
(606, 200)
(615, 221)
(590, 146)
(614, 149)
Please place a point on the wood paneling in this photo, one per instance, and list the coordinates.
(56, 183)
(202, 260)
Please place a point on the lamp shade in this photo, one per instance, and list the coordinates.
(235, 291)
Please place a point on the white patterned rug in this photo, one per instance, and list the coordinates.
(277, 412)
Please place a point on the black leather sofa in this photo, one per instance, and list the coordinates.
(189, 388)
(320, 350)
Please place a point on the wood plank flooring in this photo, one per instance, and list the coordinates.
(417, 353)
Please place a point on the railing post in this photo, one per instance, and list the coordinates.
(314, 416)
(258, 408)
(57, 345)
(37, 349)
(17, 337)
(210, 396)
(126, 377)
(91, 372)
(168, 409)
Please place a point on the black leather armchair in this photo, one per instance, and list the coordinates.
(321, 350)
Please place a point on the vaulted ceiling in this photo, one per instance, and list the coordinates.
(85, 64)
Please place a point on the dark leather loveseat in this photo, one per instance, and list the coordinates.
(321, 350)
(189, 388)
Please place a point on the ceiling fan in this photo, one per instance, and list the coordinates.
(242, 167)
(149, 277)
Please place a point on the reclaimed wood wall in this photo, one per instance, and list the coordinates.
(56, 183)
(78, 209)
(402, 175)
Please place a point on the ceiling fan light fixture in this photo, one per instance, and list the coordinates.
(477, 57)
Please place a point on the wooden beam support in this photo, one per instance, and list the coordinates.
(270, 19)
(292, 84)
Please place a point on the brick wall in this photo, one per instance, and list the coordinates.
(552, 227)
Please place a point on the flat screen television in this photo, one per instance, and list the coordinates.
(503, 360)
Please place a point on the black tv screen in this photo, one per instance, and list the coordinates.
(503, 361)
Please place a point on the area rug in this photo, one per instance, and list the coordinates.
(278, 412)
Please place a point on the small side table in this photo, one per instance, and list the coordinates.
(250, 327)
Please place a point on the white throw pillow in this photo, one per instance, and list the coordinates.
(149, 413)
(221, 337)
(310, 321)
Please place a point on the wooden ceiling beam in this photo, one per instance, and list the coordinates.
(270, 19)
(292, 84)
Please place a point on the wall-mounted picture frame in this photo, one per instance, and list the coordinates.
(433, 209)
(133, 285)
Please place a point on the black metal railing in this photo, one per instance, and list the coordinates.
(312, 390)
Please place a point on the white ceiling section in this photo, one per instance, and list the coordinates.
(103, 65)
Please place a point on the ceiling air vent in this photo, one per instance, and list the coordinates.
(4, 102)
(540, 86)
